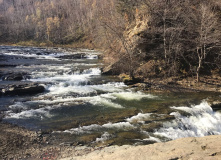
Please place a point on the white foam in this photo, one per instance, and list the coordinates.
(51, 67)
(133, 95)
(104, 137)
(152, 139)
(18, 106)
(204, 107)
(56, 78)
(110, 87)
(61, 89)
(84, 129)
(202, 122)
(92, 71)
(32, 113)
(94, 100)
(104, 102)
(119, 126)
(67, 78)
(55, 100)
(73, 86)
(95, 127)
(139, 118)
(91, 56)
(52, 56)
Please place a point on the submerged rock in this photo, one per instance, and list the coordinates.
(22, 89)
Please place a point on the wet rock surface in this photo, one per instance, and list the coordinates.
(21, 89)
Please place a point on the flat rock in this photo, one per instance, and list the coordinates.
(15, 76)
(21, 89)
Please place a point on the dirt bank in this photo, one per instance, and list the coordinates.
(207, 83)
(177, 85)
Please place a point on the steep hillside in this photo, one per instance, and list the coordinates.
(167, 39)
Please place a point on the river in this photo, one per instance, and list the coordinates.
(80, 105)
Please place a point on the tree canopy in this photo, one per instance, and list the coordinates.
(177, 37)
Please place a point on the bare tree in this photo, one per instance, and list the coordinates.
(207, 35)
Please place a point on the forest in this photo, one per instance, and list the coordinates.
(142, 38)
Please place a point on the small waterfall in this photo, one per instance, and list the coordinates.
(202, 121)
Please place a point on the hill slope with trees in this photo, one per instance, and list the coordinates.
(142, 38)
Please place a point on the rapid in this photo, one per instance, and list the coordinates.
(80, 105)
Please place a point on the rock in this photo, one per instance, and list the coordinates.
(151, 126)
(22, 89)
(132, 81)
(145, 86)
(112, 69)
(185, 148)
(216, 106)
(15, 76)
(74, 56)
(108, 70)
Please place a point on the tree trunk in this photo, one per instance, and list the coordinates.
(198, 70)
(197, 75)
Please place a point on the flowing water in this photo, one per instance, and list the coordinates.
(80, 105)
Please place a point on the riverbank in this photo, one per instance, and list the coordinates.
(15, 141)
(19, 143)
(47, 44)
(206, 84)
(186, 148)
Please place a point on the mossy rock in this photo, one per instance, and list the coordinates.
(125, 78)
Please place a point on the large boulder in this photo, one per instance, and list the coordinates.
(115, 68)
(22, 89)
(108, 70)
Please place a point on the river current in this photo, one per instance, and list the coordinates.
(82, 105)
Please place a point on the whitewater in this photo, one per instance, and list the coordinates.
(80, 102)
